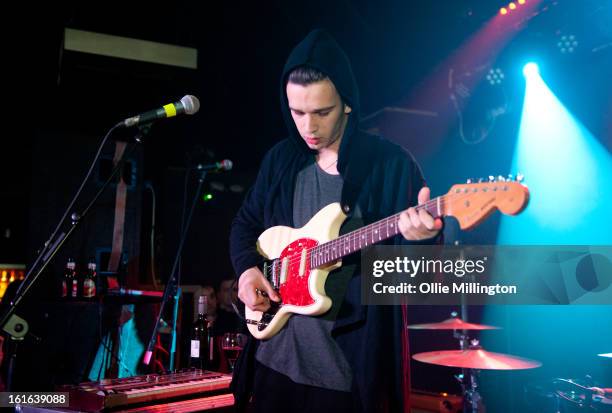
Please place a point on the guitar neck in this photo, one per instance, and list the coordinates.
(374, 233)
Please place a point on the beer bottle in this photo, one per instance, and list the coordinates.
(69, 280)
(89, 281)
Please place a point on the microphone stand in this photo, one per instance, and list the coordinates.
(173, 285)
(16, 327)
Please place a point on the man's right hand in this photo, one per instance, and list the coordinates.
(251, 285)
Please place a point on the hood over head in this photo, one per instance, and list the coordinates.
(320, 51)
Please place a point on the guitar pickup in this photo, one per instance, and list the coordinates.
(303, 262)
(284, 270)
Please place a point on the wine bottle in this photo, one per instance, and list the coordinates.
(199, 337)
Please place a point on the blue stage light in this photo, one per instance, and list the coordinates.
(567, 170)
(531, 69)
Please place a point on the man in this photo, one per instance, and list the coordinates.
(227, 319)
(228, 293)
(354, 357)
(209, 292)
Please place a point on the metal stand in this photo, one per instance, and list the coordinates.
(173, 285)
(468, 379)
(472, 401)
(16, 327)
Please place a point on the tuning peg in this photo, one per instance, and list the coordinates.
(519, 177)
(469, 181)
(501, 179)
(510, 178)
(480, 180)
(491, 178)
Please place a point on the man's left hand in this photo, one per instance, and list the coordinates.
(420, 225)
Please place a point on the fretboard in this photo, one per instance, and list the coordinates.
(370, 234)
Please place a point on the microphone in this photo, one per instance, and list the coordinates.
(224, 165)
(188, 105)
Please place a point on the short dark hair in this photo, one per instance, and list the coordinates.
(233, 279)
(305, 75)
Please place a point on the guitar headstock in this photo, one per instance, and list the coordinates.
(471, 203)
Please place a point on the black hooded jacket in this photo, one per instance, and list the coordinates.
(382, 179)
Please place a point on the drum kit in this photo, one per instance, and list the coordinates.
(472, 358)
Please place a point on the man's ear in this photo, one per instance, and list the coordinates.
(347, 109)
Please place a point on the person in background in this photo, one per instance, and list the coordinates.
(228, 293)
(227, 320)
(209, 292)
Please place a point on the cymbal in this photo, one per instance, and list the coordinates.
(453, 323)
(476, 358)
(605, 355)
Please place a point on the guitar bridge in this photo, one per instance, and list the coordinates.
(263, 323)
(266, 319)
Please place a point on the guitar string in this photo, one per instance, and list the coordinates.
(375, 226)
(371, 230)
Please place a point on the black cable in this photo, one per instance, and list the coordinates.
(172, 283)
(183, 211)
(49, 242)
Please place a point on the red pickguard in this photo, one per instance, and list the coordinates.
(294, 290)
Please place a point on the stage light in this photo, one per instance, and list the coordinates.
(565, 200)
(512, 6)
(567, 44)
(503, 11)
(521, 1)
(207, 197)
(495, 76)
(531, 69)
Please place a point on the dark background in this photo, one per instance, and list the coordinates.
(60, 103)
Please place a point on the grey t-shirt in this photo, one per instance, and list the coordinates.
(304, 349)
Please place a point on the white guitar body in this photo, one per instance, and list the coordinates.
(288, 244)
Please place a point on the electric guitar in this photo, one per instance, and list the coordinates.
(298, 260)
